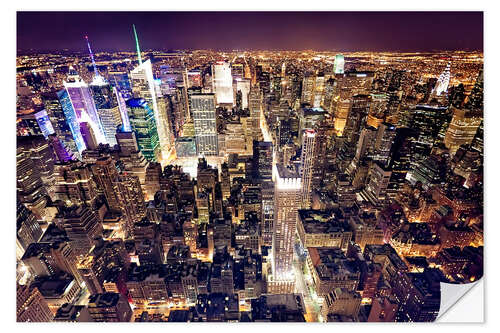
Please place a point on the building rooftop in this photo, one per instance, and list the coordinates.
(104, 300)
(322, 222)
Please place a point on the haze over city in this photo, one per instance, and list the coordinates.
(342, 31)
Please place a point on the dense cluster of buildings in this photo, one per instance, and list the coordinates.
(246, 186)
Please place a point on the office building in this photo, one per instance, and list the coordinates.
(205, 121)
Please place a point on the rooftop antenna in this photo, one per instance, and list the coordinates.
(92, 57)
(137, 45)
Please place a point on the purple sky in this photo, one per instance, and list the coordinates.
(343, 31)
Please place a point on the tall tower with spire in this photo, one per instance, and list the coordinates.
(106, 103)
(96, 72)
(443, 81)
(139, 58)
(143, 86)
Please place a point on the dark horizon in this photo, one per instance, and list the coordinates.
(291, 31)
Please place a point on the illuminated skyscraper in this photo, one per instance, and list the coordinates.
(31, 306)
(106, 102)
(358, 112)
(121, 81)
(164, 117)
(27, 227)
(307, 159)
(105, 175)
(286, 204)
(83, 104)
(383, 143)
(132, 200)
(243, 85)
(71, 118)
(59, 121)
(44, 123)
(143, 86)
(349, 85)
(313, 86)
(428, 121)
(443, 82)
(462, 129)
(263, 160)
(82, 227)
(42, 155)
(88, 135)
(30, 188)
(376, 190)
(338, 66)
(475, 99)
(74, 183)
(223, 83)
(255, 106)
(267, 218)
(205, 123)
(192, 78)
(308, 88)
(62, 154)
(143, 123)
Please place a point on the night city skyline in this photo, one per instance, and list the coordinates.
(336, 31)
(185, 179)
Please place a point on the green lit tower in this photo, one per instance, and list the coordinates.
(137, 45)
(143, 124)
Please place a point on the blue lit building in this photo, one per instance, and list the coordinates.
(69, 113)
(44, 123)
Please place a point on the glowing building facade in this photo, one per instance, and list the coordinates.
(143, 123)
(83, 104)
(443, 82)
(307, 159)
(243, 85)
(205, 124)
(287, 189)
(106, 102)
(338, 67)
(71, 118)
(223, 83)
(44, 123)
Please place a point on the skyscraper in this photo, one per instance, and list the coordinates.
(131, 200)
(27, 227)
(83, 104)
(255, 106)
(286, 204)
(349, 84)
(106, 102)
(223, 82)
(31, 306)
(82, 227)
(462, 128)
(383, 143)
(263, 160)
(205, 120)
(88, 135)
(121, 81)
(143, 86)
(59, 121)
(109, 307)
(306, 166)
(338, 66)
(143, 123)
(443, 82)
(30, 189)
(243, 85)
(71, 119)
